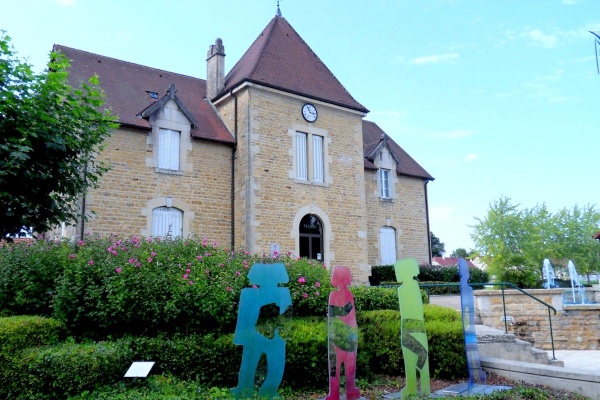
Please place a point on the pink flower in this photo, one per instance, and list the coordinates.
(215, 244)
(191, 282)
(149, 259)
(189, 264)
(185, 276)
(221, 265)
(153, 254)
(254, 286)
(305, 295)
(229, 288)
(187, 270)
(204, 241)
(91, 262)
(199, 257)
(137, 264)
(317, 284)
(247, 252)
(206, 271)
(149, 239)
(302, 280)
(72, 255)
(132, 260)
(317, 294)
(118, 270)
(80, 243)
(237, 273)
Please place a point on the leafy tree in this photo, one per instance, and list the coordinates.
(437, 246)
(50, 133)
(460, 253)
(507, 237)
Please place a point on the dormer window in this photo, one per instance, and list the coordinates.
(153, 95)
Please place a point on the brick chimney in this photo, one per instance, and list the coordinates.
(215, 69)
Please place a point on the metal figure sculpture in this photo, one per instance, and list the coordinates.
(412, 324)
(343, 336)
(266, 277)
(467, 306)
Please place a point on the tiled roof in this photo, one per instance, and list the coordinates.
(127, 88)
(279, 58)
(373, 135)
(448, 261)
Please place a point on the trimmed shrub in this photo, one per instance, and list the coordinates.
(378, 298)
(381, 330)
(384, 274)
(17, 333)
(68, 368)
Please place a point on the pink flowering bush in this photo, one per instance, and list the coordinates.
(145, 285)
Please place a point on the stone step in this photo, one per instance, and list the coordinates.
(497, 344)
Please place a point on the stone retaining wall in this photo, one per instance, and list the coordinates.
(575, 327)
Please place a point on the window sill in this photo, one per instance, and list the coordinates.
(386, 200)
(312, 183)
(168, 171)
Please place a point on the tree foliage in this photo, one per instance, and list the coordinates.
(50, 133)
(509, 235)
(437, 246)
(461, 253)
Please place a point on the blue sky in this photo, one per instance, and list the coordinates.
(492, 98)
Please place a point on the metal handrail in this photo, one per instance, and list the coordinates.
(428, 286)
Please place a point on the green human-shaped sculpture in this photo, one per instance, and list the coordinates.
(266, 277)
(412, 325)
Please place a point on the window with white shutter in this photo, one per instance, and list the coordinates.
(301, 156)
(317, 158)
(168, 149)
(387, 237)
(167, 221)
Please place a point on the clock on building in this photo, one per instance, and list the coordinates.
(309, 112)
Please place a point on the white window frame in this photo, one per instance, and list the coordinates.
(168, 149)
(387, 245)
(167, 221)
(384, 183)
(310, 151)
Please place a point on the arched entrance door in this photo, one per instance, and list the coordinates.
(311, 237)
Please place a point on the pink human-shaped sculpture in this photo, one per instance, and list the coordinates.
(343, 335)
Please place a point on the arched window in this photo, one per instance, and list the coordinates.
(167, 221)
(387, 245)
(311, 237)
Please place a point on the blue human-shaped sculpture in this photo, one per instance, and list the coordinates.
(266, 277)
(467, 306)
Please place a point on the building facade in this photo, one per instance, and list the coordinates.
(275, 155)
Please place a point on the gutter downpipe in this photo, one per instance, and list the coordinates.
(427, 214)
(233, 152)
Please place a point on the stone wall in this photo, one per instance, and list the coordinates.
(574, 327)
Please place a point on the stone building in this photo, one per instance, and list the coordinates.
(274, 155)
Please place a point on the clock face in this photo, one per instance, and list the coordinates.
(309, 112)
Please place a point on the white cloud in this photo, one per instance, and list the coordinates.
(435, 59)
(471, 157)
(539, 38)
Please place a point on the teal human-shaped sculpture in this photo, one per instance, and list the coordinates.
(467, 306)
(266, 278)
(343, 336)
(412, 326)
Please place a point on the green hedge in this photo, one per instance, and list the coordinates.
(20, 332)
(445, 338)
(53, 372)
(427, 274)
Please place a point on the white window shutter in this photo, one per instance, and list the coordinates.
(168, 149)
(387, 237)
(167, 221)
(301, 156)
(317, 158)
